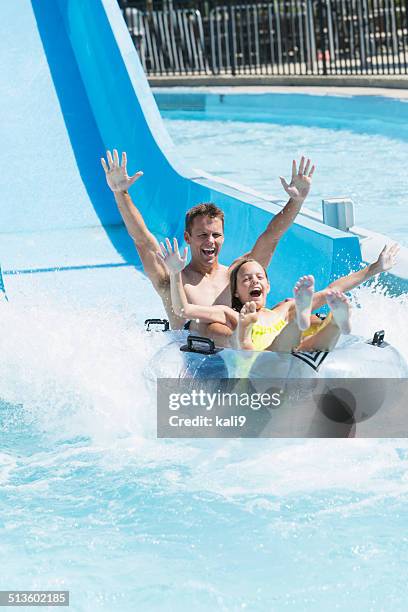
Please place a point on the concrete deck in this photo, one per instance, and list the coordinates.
(390, 86)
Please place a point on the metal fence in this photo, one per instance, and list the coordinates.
(168, 42)
(267, 38)
(276, 37)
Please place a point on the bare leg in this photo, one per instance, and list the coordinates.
(287, 340)
(341, 309)
(303, 292)
(326, 338)
(299, 317)
(247, 317)
(220, 333)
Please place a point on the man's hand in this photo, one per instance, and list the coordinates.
(301, 181)
(298, 189)
(173, 260)
(116, 175)
(387, 258)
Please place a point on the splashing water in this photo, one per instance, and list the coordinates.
(87, 480)
(87, 491)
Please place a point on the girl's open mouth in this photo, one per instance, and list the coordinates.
(255, 292)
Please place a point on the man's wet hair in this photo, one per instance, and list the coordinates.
(205, 209)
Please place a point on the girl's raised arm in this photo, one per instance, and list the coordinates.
(175, 264)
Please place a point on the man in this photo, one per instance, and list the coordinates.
(205, 281)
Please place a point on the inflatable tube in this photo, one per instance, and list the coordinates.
(353, 357)
(324, 394)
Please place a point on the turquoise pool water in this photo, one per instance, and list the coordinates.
(368, 168)
(92, 502)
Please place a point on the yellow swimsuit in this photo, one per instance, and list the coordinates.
(264, 335)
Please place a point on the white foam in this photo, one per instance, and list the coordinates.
(77, 371)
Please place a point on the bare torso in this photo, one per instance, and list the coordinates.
(207, 289)
(203, 289)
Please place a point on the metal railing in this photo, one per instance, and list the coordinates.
(267, 38)
(363, 36)
(168, 42)
(276, 37)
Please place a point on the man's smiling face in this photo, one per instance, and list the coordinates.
(205, 240)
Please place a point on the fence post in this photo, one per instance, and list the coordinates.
(362, 37)
(320, 8)
(232, 47)
(310, 36)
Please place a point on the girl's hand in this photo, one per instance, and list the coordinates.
(171, 256)
(387, 258)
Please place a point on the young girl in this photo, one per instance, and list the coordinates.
(286, 327)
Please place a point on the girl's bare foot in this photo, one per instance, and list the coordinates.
(247, 317)
(303, 292)
(341, 309)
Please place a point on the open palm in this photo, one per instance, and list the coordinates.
(171, 256)
(301, 180)
(387, 257)
(116, 175)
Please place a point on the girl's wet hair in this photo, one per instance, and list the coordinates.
(236, 303)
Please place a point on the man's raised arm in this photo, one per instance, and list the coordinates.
(146, 244)
(297, 190)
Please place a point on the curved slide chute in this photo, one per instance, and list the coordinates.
(72, 87)
(3, 294)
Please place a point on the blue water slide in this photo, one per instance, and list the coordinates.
(72, 86)
(3, 294)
